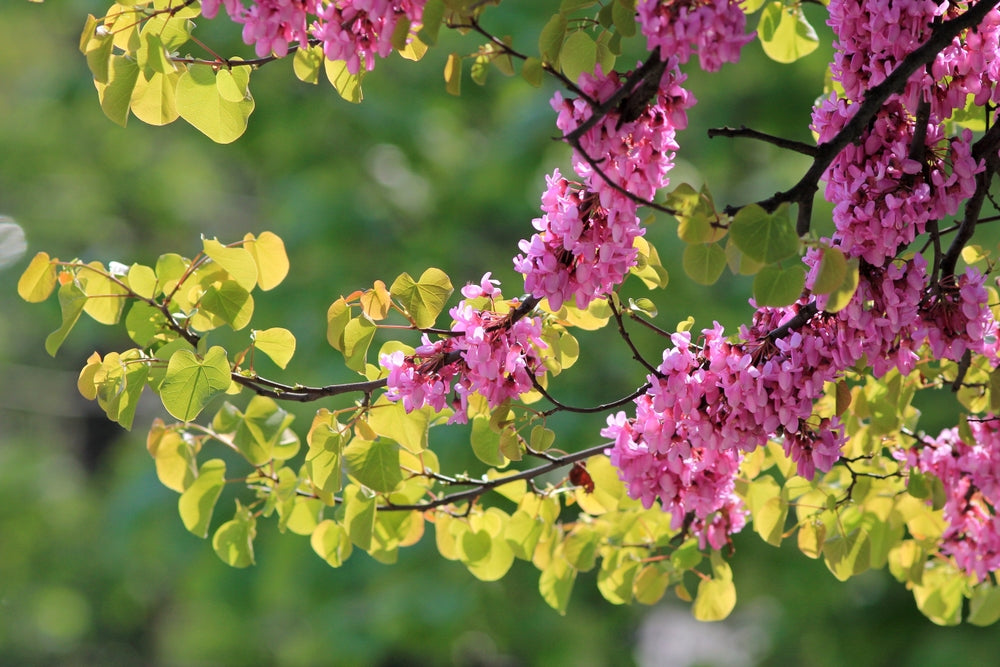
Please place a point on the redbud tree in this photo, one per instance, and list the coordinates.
(798, 425)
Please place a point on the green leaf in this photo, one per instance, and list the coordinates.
(97, 44)
(715, 600)
(326, 445)
(532, 71)
(230, 303)
(617, 575)
(277, 343)
(776, 287)
(580, 548)
(347, 85)
(423, 300)
(152, 57)
(556, 584)
(578, 55)
(358, 336)
(38, 280)
(785, 34)
(260, 429)
(832, 271)
(392, 421)
(190, 383)
(551, 39)
(307, 64)
(453, 74)
(848, 555)
(695, 213)
(116, 94)
(71, 301)
(374, 464)
(650, 584)
(765, 237)
(142, 280)
(201, 105)
(522, 533)
(174, 457)
(232, 88)
(541, 438)
(120, 382)
(359, 516)
(623, 15)
(197, 503)
(331, 542)
(940, 595)
(704, 263)
(984, 605)
(839, 298)
(486, 442)
(431, 19)
(649, 268)
(268, 252)
(233, 541)
(238, 262)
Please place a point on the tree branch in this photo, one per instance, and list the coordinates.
(489, 484)
(744, 131)
(802, 192)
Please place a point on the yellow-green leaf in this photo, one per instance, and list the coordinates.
(197, 503)
(190, 383)
(268, 252)
(715, 600)
(201, 105)
(38, 280)
(277, 343)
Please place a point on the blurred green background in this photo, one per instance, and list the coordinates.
(95, 566)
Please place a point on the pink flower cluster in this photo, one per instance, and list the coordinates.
(716, 28)
(970, 473)
(585, 244)
(695, 485)
(883, 198)
(582, 250)
(355, 31)
(488, 354)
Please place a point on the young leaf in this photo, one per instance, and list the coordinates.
(233, 541)
(38, 280)
(556, 584)
(197, 503)
(237, 262)
(785, 34)
(277, 343)
(331, 542)
(715, 600)
(374, 464)
(347, 85)
(776, 287)
(71, 301)
(766, 237)
(578, 55)
(190, 383)
(268, 252)
(704, 263)
(423, 300)
(200, 104)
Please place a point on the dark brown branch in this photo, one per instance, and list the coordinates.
(489, 484)
(301, 393)
(562, 407)
(628, 339)
(803, 191)
(780, 142)
(652, 66)
(985, 149)
(800, 319)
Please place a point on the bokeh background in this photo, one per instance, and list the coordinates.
(95, 566)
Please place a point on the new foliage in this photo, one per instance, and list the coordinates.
(798, 425)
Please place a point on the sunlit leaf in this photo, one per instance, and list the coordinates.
(190, 382)
(197, 503)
